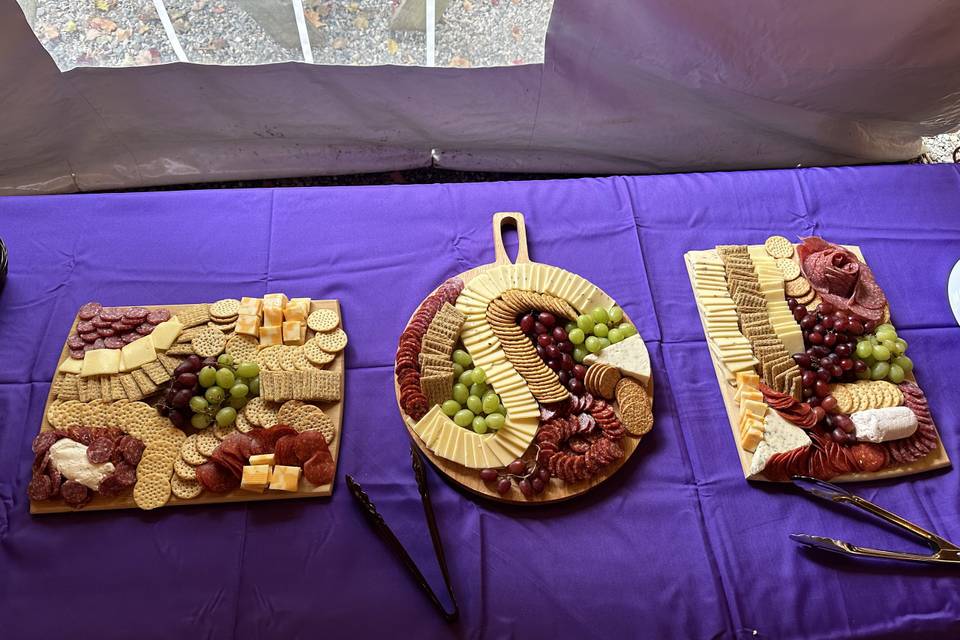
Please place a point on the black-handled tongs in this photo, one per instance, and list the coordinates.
(382, 530)
(944, 551)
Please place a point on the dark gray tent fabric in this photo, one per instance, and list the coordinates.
(626, 87)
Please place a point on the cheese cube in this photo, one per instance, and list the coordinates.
(291, 332)
(255, 477)
(272, 316)
(166, 332)
(303, 332)
(250, 306)
(275, 300)
(136, 354)
(270, 336)
(248, 325)
(751, 439)
(263, 458)
(285, 478)
(72, 365)
(100, 362)
(297, 309)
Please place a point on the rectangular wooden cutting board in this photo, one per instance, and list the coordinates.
(936, 459)
(306, 490)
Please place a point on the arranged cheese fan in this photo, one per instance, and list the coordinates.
(192, 404)
(815, 379)
(522, 381)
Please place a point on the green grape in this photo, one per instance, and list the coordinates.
(889, 344)
(199, 421)
(616, 315)
(207, 377)
(615, 336)
(462, 358)
(225, 360)
(627, 329)
(490, 403)
(450, 407)
(239, 390)
(502, 410)
(904, 363)
(601, 330)
(479, 389)
(457, 370)
(479, 424)
(466, 377)
(226, 416)
(879, 371)
(576, 336)
(460, 392)
(463, 418)
(604, 343)
(198, 404)
(475, 404)
(254, 386)
(248, 370)
(237, 403)
(579, 353)
(214, 395)
(479, 375)
(592, 344)
(585, 323)
(570, 326)
(873, 340)
(881, 353)
(600, 315)
(864, 349)
(900, 346)
(896, 374)
(495, 421)
(885, 335)
(225, 378)
(864, 375)
(886, 326)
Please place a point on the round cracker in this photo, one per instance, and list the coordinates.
(287, 411)
(797, 288)
(243, 425)
(223, 432)
(226, 308)
(311, 418)
(154, 462)
(151, 491)
(185, 489)
(789, 269)
(184, 470)
(242, 348)
(332, 342)
(323, 320)
(316, 355)
(209, 342)
(206, 442)
(267, 358)
(778, 247)
(300, 360)
(189, 452)
(287, 362)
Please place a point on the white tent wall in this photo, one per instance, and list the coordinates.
(627, 86)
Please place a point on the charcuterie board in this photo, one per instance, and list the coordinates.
(159, 438)
(522, 382)
(813, 375)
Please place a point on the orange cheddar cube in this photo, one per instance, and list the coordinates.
(270, 336)
(291, 332)
(285, 478)
(275, 300)
(303, 332)
(272, 316)
(250, 306)
(255, 477)
(297, 309)
(248, 325)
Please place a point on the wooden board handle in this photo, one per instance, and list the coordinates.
(500, 251)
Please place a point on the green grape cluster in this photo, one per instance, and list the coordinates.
(884, 354)
(226, 388)
(473, 405)
(598, 329)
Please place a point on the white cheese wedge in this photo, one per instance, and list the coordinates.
(630, 356)
(778, 436)
(883, 425)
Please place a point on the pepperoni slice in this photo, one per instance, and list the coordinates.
(114, 342)
(89, 310)
(215, 478)
(111, 315)
(100, 450)
(145, 329)
(320, 468)
(868, 456)
(308, 444)
(40, 487)
(132, 449)
(158, 315)
(74, 493)
(136, 313)
(284, 452)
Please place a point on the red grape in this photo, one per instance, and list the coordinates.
(195, 361)
(544, 340)
(859, 366)
(815, 338)
(799, 313)
(830, 339)
(566, 346)
(563, 376)
(827, 323)
(539, 327)
(503, 487)
(869, 326)
(842, 350)
(855, 327)
(178, 418)
(181, 399)
(525, 488)
(183, 367)
(814, 401)
(552, 352)
(554, 364)
(792, 303)
(802, 360)
(836, 370)
(808, 391)
(566, 362)
(838, 435)
(820, 413)
(579, 371)
(538, 485)
(488, 475)
(841, 326)
(846, 364)
(517, 467)
(547, 319)
(822, 389)
(825, 308)
(559, 334)
(824, 374)
(576, 387)
(526, 323)
(544, 474)
(186, 380)
(808, 378)
(844, 422)
(829, 403)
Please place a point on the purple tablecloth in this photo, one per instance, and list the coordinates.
(676, 544)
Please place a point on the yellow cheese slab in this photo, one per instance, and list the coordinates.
(71, 365)
(263, 458)
(284, 478)
(291, 332)
(136, 354)
(248, 325)
(255, 477)
(272, 316)
(270, 336)
(101, 362)
(275, 300)
(165, 333)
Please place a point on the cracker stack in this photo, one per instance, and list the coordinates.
(436, 369)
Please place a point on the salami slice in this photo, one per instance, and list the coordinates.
(89, 337)
(132, 449)
(43, 441)
(86, 327)
(111, 315)
(89, 310)
(868, 456)
(284, 452)
(130, 337)
(126, 474)
(75, 342)
(100, 450)
(74, 493)
(111, 486)
(40, 487)
(114, 342)
(158, 315)
(77, 354)
(145, 329)
(319, 469)
(136, 313)
(56, 479)
(100, 323)
(106, 332)
(215, 478)
(308, 444)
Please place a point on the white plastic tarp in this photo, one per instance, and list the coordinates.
(626, 86)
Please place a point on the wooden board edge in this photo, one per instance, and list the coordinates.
(936, 459)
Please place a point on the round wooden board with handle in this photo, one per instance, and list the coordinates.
(469, 479)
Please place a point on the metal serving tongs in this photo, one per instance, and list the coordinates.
(380, 527)
(944, 551)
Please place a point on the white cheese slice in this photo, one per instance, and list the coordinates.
(166, 332)
(136, 354)
(101, 362)
(630, 356)
(70, 365)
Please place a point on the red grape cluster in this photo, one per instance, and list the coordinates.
(175, 403)
(531, 478)
(554, 348)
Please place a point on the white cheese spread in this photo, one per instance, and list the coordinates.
(70, 457)
(883, 425)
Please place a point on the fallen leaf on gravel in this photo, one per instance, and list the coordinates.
(92, 34)
(215, 44)
(517, 33)
(467, 5)
(339, 43)
(105, 25)
(148, 56)
(122, 34)
(219, 9)
(460, 61)
(70, 27)
(353, 7)
(361, 22)
(313, 17)
(392, 47)
(105, 5)
(143, 28)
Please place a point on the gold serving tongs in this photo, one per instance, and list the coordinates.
(944, 551)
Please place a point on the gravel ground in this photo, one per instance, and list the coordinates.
(940, 148)
(470, 33)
